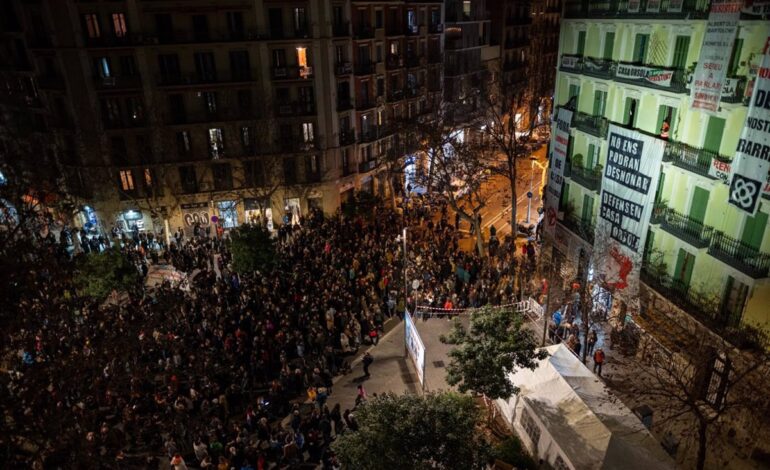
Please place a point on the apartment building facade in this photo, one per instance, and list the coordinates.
(170, 113)
(702, 255)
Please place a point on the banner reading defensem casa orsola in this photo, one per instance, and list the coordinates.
(628, 188)
(752, 157)
(709, 76)
(559, 144)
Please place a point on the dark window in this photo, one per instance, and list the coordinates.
(244, 103)
(128, 66)
(118, 151)
(235, 24)
(183, 144)
(378, 18)
(239, 65)
(275, 16)
(200, 24)
(144, 149)
(248, 140)
(254, 173)
(279, 58)
(111, 112)
(300, 22)
(188, 179)
(176, 108)
(223, 176)
(169, 68)
(164, 27)
(205, 66)
(209, 102)
(135, 110)
(290, 170)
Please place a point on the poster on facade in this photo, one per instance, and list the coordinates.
(654, 75)
(721, 170)
(628, 188)
(415, 348)
(195, 213)
(708, 79)
(752, 157)
(559, 146)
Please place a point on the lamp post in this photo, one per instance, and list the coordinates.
(529, 194)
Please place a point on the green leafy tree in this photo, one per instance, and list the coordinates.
(434, 431)
(98, 274)
(252, 248)
(494, 345)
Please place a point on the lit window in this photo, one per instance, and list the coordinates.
(126, 180)
(119, 25)
(147, 178)
(92, 25)
(394, 48)
(103, 65)
(216, 143)
(304, 69)
(307, 132)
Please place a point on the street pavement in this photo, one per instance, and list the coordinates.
(392, 370)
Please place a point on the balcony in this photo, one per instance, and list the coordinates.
(344, 104)
(413, 30)
(365, 104)
(587, 177)
(434, 57)
(117, 83)
(374, 133)
(348, 170)
(343, 68)
(394, 30)
(511, 65)
(435, 28)
(657, 77)
(686, 298)
(690, 158)
(394, 62)
(347, 137)
(599, 68)
(739, 255)
(413, 61)
(341, 30)
(580, 227)
(395, 95)
(292, 72)
(288, 144)
(363, 167)
(594, 125)
(365, 68)
(215, 35)
(518, 20)
(619, 9)
(193, 79)
(683, 227)
(129, 40)
(363, 31)
(514, 43)
(51, 82)
(295, 109)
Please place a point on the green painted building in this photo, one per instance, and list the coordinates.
(701, 253)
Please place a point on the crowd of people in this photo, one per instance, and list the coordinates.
(206, 375)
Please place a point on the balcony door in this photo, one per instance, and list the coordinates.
(754, 230)
(609, 45)
(588, 209)
(683, 270)
(600, 102)
(733, 301)
(700, 200)
(714, 131)
(681, 46)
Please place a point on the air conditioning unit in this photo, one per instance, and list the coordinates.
(108, 81)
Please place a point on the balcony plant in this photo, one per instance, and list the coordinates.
(577, 160)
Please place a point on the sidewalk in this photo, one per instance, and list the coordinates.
(391, 370)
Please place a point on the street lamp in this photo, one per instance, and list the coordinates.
(534, 162)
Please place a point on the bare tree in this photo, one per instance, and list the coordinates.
(506, 127)
(709, 390)
(456, 166)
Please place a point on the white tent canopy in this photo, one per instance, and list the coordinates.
(575, 420)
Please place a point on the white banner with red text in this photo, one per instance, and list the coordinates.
(558, 159)
(710, 73)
